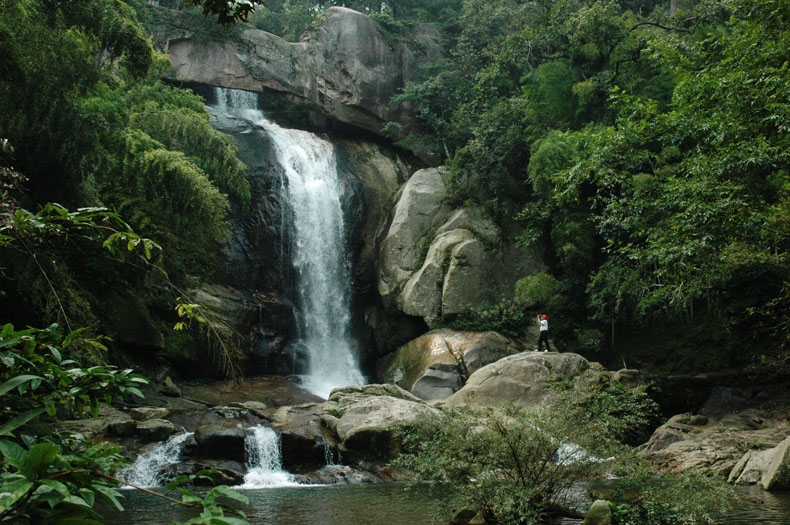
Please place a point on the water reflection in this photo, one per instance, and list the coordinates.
(383, 504)
(391, 503)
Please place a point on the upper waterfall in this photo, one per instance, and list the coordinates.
(319, 246)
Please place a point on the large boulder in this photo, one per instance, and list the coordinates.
(769, 468)
(528, 379)
(304, 438)
(348, 68)
(371, 427)
(436, 364)
(436, 261)
(217, 442)
(368, 419)
(420, 208)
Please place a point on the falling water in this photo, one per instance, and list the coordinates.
(264, 461)
(147, 469)
(319, 246)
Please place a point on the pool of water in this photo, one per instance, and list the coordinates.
(386, 504)
(381, 504)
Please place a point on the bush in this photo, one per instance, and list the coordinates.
(537, 290)
(693, 497)
(505, 318)
(513, 466)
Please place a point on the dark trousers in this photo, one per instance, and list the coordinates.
(544, 338)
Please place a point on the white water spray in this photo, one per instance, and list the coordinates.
(264, 461)
(146, 471)
(319, 246)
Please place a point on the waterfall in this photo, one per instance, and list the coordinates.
(264, 460)
(320, 254)
(146, 471)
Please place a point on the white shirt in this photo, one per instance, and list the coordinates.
(544, 325)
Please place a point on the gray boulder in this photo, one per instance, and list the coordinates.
(435, 261)
(217, 442)
(526, 379)
(370, 427)
(419, 209)
(155, 430)
(436, 364)
(769, 468)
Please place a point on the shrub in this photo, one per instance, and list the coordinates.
(505, 318)
(537, 290)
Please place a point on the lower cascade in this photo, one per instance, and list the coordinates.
(319, 246)
(264, 460)
(147, 469)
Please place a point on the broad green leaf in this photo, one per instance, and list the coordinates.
(9, 426)
(111, 494)
(56, 485)
(15, 382)
(226, 491)
(14, 492)
(41, 456)
(16, 456)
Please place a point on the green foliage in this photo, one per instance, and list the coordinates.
(538, 290)
(222, 342)
(514, 465)
(508, 319)
(57, 480)
(227, 13)
(36, 376)
(509, 465)
(692, 497)
(212, 508)
(54, 478)
(624, 412)
(645, 154)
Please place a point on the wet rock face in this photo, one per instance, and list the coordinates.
(347, 68)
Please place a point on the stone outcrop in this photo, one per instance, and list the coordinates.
(435, 261)
(769, 468)
(348, 68)
(526, 380)
(729, 436)
(368, 425)
(435, 365)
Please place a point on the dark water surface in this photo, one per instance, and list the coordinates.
(380, 504)
(387, 504)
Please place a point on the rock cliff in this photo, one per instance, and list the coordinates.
(348, 68)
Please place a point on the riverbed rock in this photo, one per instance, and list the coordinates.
(368, 419)
(370, 427)
(600, 513)
(730, 436)
(526, 380)
(435, 365)
(304, 439)
(153, 430)
(347, 68)
(769, 468)
(146, 413)
(217, 442)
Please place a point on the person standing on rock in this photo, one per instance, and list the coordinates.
(543, 323)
